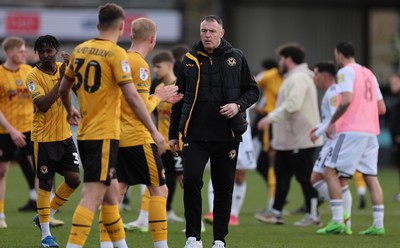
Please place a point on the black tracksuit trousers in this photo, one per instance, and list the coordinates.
(223, 158)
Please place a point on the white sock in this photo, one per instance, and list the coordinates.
(70, 245)
(378, 214)
(314, 207)
(347, 203)
(143, 217)
(210, 197)
(337, 210)
(161, 244)
(45, 227)
(347, 199)
(32, 195)
(322, 189)
(106, 244)
(120, 244)
(361, 190)
(52, 212)
(270, 203)
(142, 188)
(2, 216)
(238, 195)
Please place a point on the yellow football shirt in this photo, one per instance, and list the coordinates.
(51, 125)
(133, 131)
(271, 82)
(163, 119)
(15, 102)
(99, 67)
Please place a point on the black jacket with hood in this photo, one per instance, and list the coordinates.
(209, 81)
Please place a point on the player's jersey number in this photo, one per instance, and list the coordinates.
(92, 68)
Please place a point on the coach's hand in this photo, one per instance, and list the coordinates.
(174, 145)
(313, 137)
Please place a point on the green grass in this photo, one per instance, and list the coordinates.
(250, 233)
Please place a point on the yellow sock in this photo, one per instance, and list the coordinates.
(359, 180)
(145, 200)
(104, 237)
(61, 196)
(43, 205)
(1, 206)
(113, 222)
(158, 218)
(265, 147)
(81, 224)
(271, 181)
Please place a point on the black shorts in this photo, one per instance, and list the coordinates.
(99, 158)
(140, 165)
(172, 164)
(8, 148)
(52, 157)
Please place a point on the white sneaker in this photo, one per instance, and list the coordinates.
(218, 244)
(56, 223)
(137, 226)
(3, 223)
(171, 217)
(191, 242)
(308, 220)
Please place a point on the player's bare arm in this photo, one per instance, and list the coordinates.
(65, 95)
(137, 105)
(341, 109)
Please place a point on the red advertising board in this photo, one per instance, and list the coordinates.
(22, 22)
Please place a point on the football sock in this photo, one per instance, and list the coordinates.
(113, 222)
(81, 225)
(158, 218)
(378, 214)
(238, 195)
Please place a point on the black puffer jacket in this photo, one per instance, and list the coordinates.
(209, 81)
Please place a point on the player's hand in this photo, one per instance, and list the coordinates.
(159, 140)
(174, 145)
(18, 138)
(65, 56)
(329, 131)
(73, 117)
(229, 110)
(263, 123)
(166, 92)
(175, 98)
(312, 135)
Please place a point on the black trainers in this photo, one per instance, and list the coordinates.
(29, 207)
(362, 202)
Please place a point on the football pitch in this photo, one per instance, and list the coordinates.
(21, 231)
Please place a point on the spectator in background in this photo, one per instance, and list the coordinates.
(270, 80)
(179, 52)
(394, 126)
(295, 115)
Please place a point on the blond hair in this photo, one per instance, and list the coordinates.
(143, 28)
(12, 42)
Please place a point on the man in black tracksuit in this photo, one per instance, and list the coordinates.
(218, 87)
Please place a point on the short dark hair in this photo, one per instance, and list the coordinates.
(294, 51)
(109, 14)
(213, 18)
(163, 56)
(179, 51)
(327, 66)
(269, 63)
(346, 48)
(48, 39)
